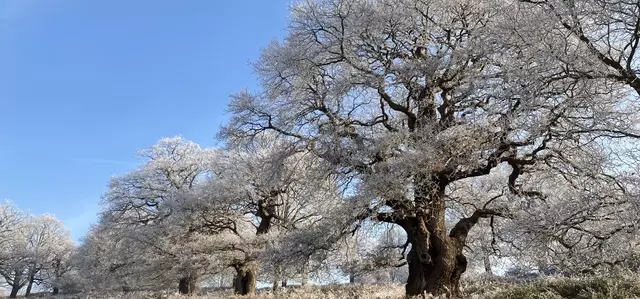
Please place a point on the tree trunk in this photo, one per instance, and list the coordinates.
(245, 280)
(187, 285)
(14, 290)
(284, 283)
(435, 260)
(352, 278)
(276, 278)
(30, 284)
(55, 291)
(17, 284)
(192, 284)
(438, 272)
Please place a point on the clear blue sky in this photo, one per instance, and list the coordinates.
(84, 84)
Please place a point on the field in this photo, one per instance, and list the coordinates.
(620, 287)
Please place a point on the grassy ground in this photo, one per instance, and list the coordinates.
(622, 287)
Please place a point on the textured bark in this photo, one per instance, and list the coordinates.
(435, 260)
(436, 271)
(245, 280)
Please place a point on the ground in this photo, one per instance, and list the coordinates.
(618, 287)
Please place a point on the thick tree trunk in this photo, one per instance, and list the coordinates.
(438, 272)
(17, 284)
(245, 280)
(14, 291)
(187, 285)
(435, 260)
(183, 286)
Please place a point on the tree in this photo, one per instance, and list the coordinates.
(10, 217)
(408, 130)
(30, 252)
(49, 246)
(275, 189)
(199, 211)
(12, 248)
(140, 211)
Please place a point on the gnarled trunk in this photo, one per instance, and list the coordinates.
(245, 280)
(436, 261)
(435, 264)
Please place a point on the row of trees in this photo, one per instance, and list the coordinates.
(484, 129)
(189, 213)
(34, 250)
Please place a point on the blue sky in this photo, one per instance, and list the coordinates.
(85, 84)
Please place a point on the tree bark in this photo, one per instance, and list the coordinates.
(30, 284)
(437, 270)
(187, 285)
(17, 285)
(14, 290)
(245, 280)
(435, 260)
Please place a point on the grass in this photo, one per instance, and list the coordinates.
(618, 287)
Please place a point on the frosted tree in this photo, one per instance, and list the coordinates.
(139, 207)
(270, 189)
(10, 218)
(31, 248)
(13, 253)
(409, 99)
(49, 245)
